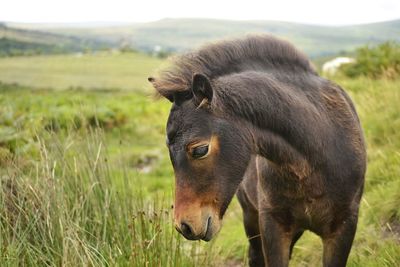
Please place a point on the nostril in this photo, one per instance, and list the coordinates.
(178, 229)
(186, 230)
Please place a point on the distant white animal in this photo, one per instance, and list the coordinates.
(331, 66)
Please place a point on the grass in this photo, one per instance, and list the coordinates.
(86, 180)
(81, 185)
(69, 208)
(100, 70)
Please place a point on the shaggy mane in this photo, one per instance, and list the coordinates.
(257, 52)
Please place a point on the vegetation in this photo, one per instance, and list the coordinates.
(67, 207)
(85, 171)
(102, 70)
(380, 61)
(17, 42)
(10, 47)
(86, 178)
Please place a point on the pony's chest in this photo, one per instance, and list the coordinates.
(312, 213)
(304, 201)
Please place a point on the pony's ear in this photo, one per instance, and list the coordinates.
(201, 89)
(170, 97)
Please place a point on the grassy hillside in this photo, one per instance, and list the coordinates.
(184, 34)
(17, 41)
(314, 40)
(11, 47)
(86, 179)
(99, 70)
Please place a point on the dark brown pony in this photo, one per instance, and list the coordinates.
(252, 117)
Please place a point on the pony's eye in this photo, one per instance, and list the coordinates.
(200, 151)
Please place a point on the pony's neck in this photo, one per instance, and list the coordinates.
(272, 117)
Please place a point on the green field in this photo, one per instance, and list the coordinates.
(86, 179)
(102, 70)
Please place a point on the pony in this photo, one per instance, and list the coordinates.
(251, 117)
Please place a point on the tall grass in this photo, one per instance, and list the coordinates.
(68, 207)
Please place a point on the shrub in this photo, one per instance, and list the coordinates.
(381, 61)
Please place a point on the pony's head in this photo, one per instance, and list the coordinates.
(209, 147)
(209, 158)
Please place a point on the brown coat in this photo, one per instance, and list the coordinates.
(251, 116)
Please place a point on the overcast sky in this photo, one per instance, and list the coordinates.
(333, 12)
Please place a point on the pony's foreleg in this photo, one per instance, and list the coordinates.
(276, 240)
(337, 245)
(251, 226)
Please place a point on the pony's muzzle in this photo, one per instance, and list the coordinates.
(189, 233)
(203, 226)
(195, 233)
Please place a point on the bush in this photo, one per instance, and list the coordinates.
(381, 61)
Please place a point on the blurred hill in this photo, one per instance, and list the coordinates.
(173, 35)
(19, 41)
